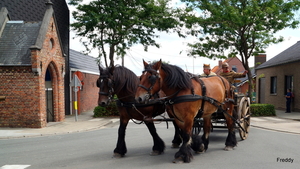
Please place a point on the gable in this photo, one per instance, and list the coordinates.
(233, 61)
(34, 10)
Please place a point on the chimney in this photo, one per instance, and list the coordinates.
(220, 64)
(260, 59)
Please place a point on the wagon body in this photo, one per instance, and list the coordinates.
(241, 116)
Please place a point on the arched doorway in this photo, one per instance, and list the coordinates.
(49, 96)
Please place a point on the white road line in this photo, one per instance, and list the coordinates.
(14, 166)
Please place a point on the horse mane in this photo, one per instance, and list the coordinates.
(176, 77)
(125, 79)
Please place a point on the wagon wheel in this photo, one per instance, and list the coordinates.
(244, 117)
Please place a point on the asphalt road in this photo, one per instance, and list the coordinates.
(94, 149)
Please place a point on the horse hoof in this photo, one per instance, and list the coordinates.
(228, 148)
(117, 155)
(174, 145)
(155, 153)
(178, 160)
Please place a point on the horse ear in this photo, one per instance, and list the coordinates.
(111, 70)
(145, 64)
(157, 65)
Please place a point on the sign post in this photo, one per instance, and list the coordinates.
(77, 84)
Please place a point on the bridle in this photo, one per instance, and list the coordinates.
(110, 84)
(153, 78)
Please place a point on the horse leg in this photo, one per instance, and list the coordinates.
(159, 145)
(185, 151)
(177, 139)
(121, 149)
(206, 132)
(197, 144)
(231, 141)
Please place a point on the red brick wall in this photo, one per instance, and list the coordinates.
(25, 104)
(88, 96)
(22, 105)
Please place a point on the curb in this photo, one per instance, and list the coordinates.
(57, 133)
(266, 128)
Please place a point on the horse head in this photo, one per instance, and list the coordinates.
(106, 86)
(149, 82)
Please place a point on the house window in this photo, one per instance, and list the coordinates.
(273, 85)
(288, 80)
(51, 43)
(234, 68)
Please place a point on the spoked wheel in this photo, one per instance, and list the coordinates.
(244, 117)
(197, 126)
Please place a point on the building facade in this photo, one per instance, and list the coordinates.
(32, 70)
(277, 75)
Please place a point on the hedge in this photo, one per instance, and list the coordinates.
(262, 110)
(110, 110)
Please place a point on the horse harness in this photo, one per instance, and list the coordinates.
(110, 84)
(194, 97)
(165, 100)
(127, 105)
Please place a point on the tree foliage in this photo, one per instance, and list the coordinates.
(112, 27)
(228, 28)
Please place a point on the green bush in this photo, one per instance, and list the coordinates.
(110, 110)
(262, 110)
(100, 111)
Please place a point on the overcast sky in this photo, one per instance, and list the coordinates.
(173, 51)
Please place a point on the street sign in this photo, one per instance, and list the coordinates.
(77, 84)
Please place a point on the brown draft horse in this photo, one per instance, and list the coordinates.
(185, 97)
(123, 82)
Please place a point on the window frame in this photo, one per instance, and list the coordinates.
(273, 85)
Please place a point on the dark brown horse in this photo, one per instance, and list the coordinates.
(123, 82)
(186, 96)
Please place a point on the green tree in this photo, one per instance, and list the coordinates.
(228, 28)
(112, 27)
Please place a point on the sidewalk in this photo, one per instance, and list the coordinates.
(285, 122)
(85, 122)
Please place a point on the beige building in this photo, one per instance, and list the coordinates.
(275, 76)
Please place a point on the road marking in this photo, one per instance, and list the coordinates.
(14, 166)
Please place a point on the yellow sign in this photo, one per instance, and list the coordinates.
(75, 105)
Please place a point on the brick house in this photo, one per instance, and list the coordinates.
(32, 69)
(86, 68)
(278, 74)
